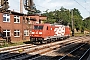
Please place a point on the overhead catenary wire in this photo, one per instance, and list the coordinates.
(45, 8)
(87, 3)
(82, 6)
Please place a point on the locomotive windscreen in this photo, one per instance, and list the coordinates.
(38, 27)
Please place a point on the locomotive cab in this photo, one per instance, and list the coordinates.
(39, 32)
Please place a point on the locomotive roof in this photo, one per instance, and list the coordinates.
(50, 24)
(42, 24)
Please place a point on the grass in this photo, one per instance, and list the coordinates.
(79, 34)
(11, 44)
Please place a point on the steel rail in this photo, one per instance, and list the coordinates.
(41, 56)
(71, 52)
(22, 54)
(13, 47)
(57, 47)
(33, 55)
(7, 53)
(84, 54)
(6, 49)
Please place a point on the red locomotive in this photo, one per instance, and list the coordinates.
(49, 32)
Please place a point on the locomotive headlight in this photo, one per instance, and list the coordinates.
(33, 32)
(40, 32)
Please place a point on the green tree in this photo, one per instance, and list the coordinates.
(63, 16)
(34, 11)
(51, 21)
(77, 19)
(86, 23)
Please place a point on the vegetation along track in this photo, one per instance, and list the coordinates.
(33, 52)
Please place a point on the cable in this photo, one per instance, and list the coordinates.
(82, 6)
(87, 3)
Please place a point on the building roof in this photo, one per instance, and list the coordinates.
(13, 12)
(16, 13)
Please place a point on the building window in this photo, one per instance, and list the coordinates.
(16, 19)
(6, 33)
(26, 32)
(6, 18)
(16, 33)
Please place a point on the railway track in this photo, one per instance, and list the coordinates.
(33, 52)
(77, 53)
(36, 54)
(16, 48)
(43, 57)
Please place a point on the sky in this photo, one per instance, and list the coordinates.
(82, 5)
